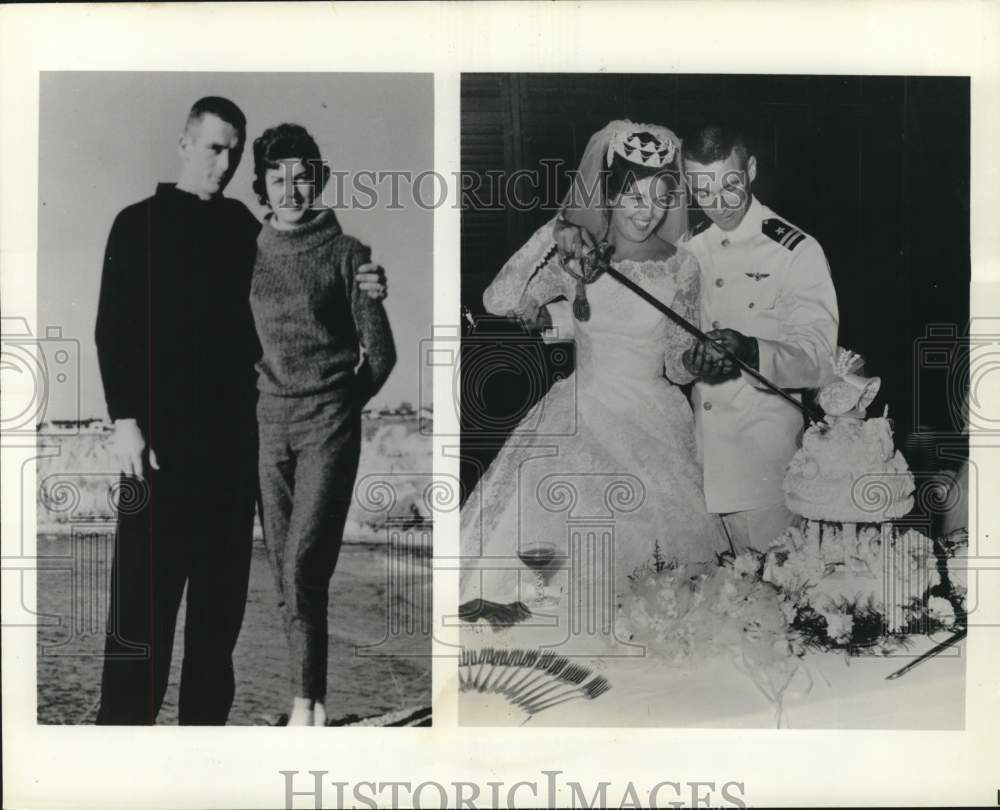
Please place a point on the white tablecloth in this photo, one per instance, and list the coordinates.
(830, 691)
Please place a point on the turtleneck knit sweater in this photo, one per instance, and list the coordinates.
(310, 315)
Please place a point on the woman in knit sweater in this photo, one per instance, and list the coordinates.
(326, 350)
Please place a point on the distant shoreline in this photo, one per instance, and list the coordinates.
(78, 486)
(99, 425)
(421, 551)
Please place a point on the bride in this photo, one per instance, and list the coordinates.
(621, 416)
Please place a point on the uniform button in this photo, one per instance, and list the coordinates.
(750, 305)
(725, 243)
(719, 282)
(707, 406)
(715, 324)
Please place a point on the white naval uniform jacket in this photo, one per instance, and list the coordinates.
(769, 280)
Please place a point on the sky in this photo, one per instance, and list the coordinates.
(107, 138)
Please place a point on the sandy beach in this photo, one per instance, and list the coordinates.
(379, 607)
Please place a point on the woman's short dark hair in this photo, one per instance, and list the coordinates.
(280, 143)
(623, 174)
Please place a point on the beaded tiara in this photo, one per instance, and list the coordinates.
(643, 144)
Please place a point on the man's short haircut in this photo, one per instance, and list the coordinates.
(218, 106)
(716, 141)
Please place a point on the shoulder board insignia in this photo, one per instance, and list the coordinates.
(788, 236)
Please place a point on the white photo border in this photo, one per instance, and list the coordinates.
(48, 766)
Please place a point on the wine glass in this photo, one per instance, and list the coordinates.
(543, 560)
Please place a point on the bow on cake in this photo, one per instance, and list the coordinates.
(850, 393)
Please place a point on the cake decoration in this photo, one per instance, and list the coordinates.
(849, 469)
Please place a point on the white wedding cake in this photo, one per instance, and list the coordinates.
(849, 471)
(848, 468)
(847, 564)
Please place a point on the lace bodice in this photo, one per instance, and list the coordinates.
(626, 337)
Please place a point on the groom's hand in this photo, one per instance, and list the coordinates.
(710, 364)
(701, 360)
(370, 278)
(736, 343)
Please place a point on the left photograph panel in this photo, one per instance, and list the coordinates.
(235, 274)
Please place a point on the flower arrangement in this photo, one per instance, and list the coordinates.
(686, 612)
(681, 610)
(863, 587)
(858, 585)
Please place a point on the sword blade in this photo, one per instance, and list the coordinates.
(927, 656)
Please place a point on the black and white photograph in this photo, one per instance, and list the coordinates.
(219, 281)
(493, 405)
(715, 388)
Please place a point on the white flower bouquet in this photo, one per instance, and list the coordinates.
(858, 584)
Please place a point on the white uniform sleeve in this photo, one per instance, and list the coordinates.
(802, 355)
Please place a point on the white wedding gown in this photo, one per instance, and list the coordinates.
(608, 455)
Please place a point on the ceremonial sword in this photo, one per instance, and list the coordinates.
(812, 413)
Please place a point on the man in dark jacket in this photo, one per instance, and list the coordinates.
(177, 347)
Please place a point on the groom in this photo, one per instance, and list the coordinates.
(767, 295)
(176, 346)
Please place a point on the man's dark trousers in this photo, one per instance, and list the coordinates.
(182, 525)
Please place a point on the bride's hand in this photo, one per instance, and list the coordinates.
(572, 240)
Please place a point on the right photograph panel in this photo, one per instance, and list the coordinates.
(715, 396)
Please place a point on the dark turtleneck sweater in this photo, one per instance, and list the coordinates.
(175, 336)
(311, 318)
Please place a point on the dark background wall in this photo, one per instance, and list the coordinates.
(874, 167)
